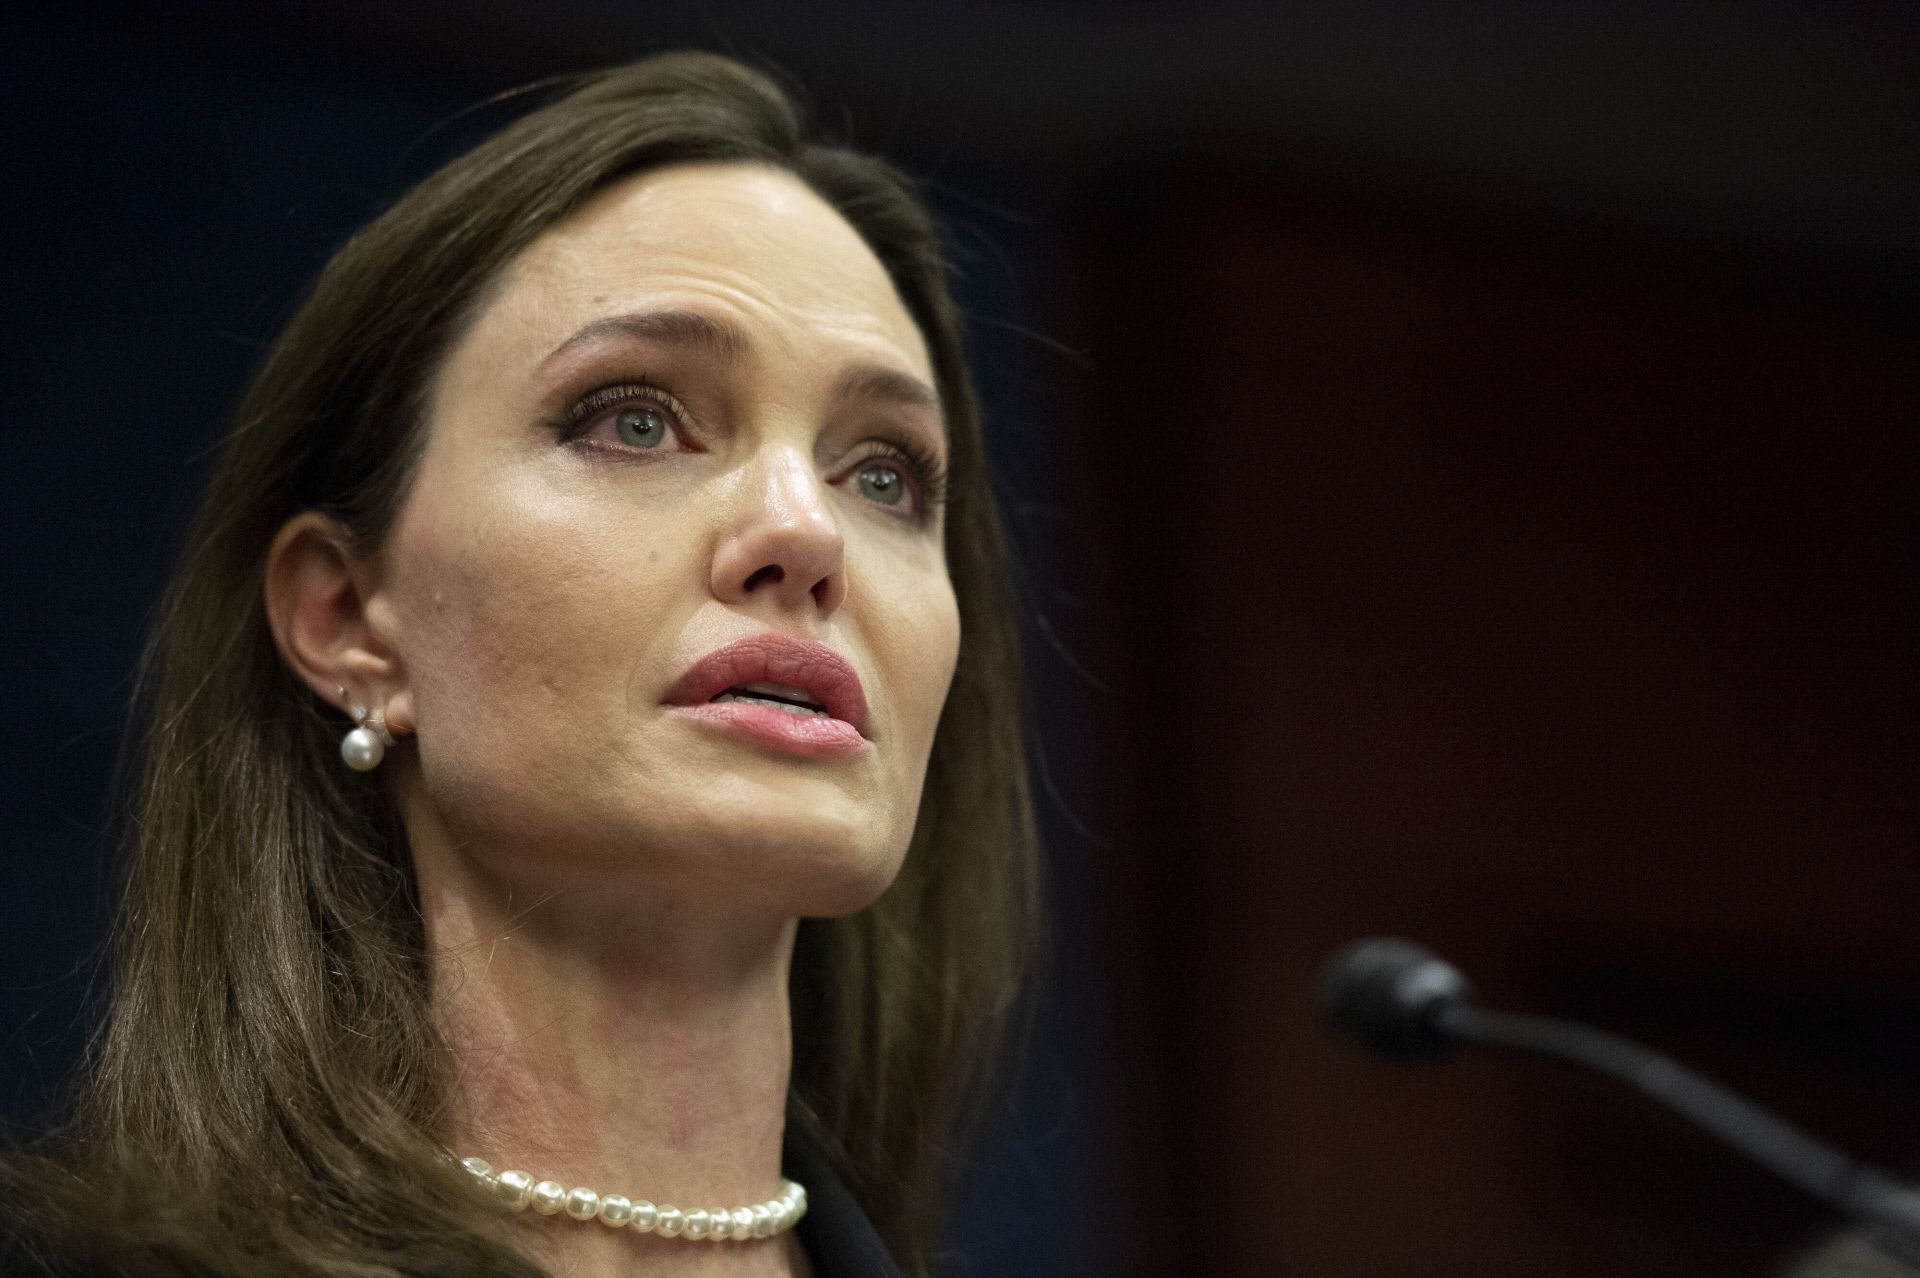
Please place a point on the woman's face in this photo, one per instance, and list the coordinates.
(687, 416)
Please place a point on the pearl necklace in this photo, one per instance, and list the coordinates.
(520, 1191)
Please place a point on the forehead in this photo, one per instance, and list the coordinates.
(750, 242)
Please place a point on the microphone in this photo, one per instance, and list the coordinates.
(1399, 1001)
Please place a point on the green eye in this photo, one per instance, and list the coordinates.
(882, 483)
(640, 427)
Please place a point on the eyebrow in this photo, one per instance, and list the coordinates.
(877, 381)
(669, 328)
(726, 343)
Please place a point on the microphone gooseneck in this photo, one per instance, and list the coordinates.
(1386, 995)
(1398, 1000)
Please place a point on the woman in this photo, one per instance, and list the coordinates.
(582, 741)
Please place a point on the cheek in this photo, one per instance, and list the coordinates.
(924, 642)
(523, 622)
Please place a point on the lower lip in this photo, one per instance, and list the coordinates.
(816, 736)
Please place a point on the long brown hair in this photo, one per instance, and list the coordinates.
(262, 1093)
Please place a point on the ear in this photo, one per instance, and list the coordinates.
(326, 623)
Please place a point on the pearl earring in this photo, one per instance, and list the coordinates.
(366, 745)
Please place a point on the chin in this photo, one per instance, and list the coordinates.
(849, 890)
(807, 868)
(820, 852)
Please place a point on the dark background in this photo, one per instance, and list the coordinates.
(1463, 460)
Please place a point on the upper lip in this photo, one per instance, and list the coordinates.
(776, 658)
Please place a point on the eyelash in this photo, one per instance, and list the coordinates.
(589, 406)
(927, 472)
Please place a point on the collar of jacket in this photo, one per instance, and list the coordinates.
(839, 1240)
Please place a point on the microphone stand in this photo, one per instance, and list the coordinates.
(1890, 1212)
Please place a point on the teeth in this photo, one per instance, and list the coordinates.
(782, 691)
(769, 701)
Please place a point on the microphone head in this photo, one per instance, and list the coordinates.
(1388, 995)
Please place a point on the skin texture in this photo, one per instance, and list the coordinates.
(611, 889)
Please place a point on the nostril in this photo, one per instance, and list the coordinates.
(772, 572)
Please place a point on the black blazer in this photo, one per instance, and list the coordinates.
(839, 1240)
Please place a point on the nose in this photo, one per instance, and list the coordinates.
(783, 544)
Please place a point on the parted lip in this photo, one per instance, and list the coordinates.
(777, 658)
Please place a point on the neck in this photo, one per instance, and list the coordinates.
(634, 1046)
